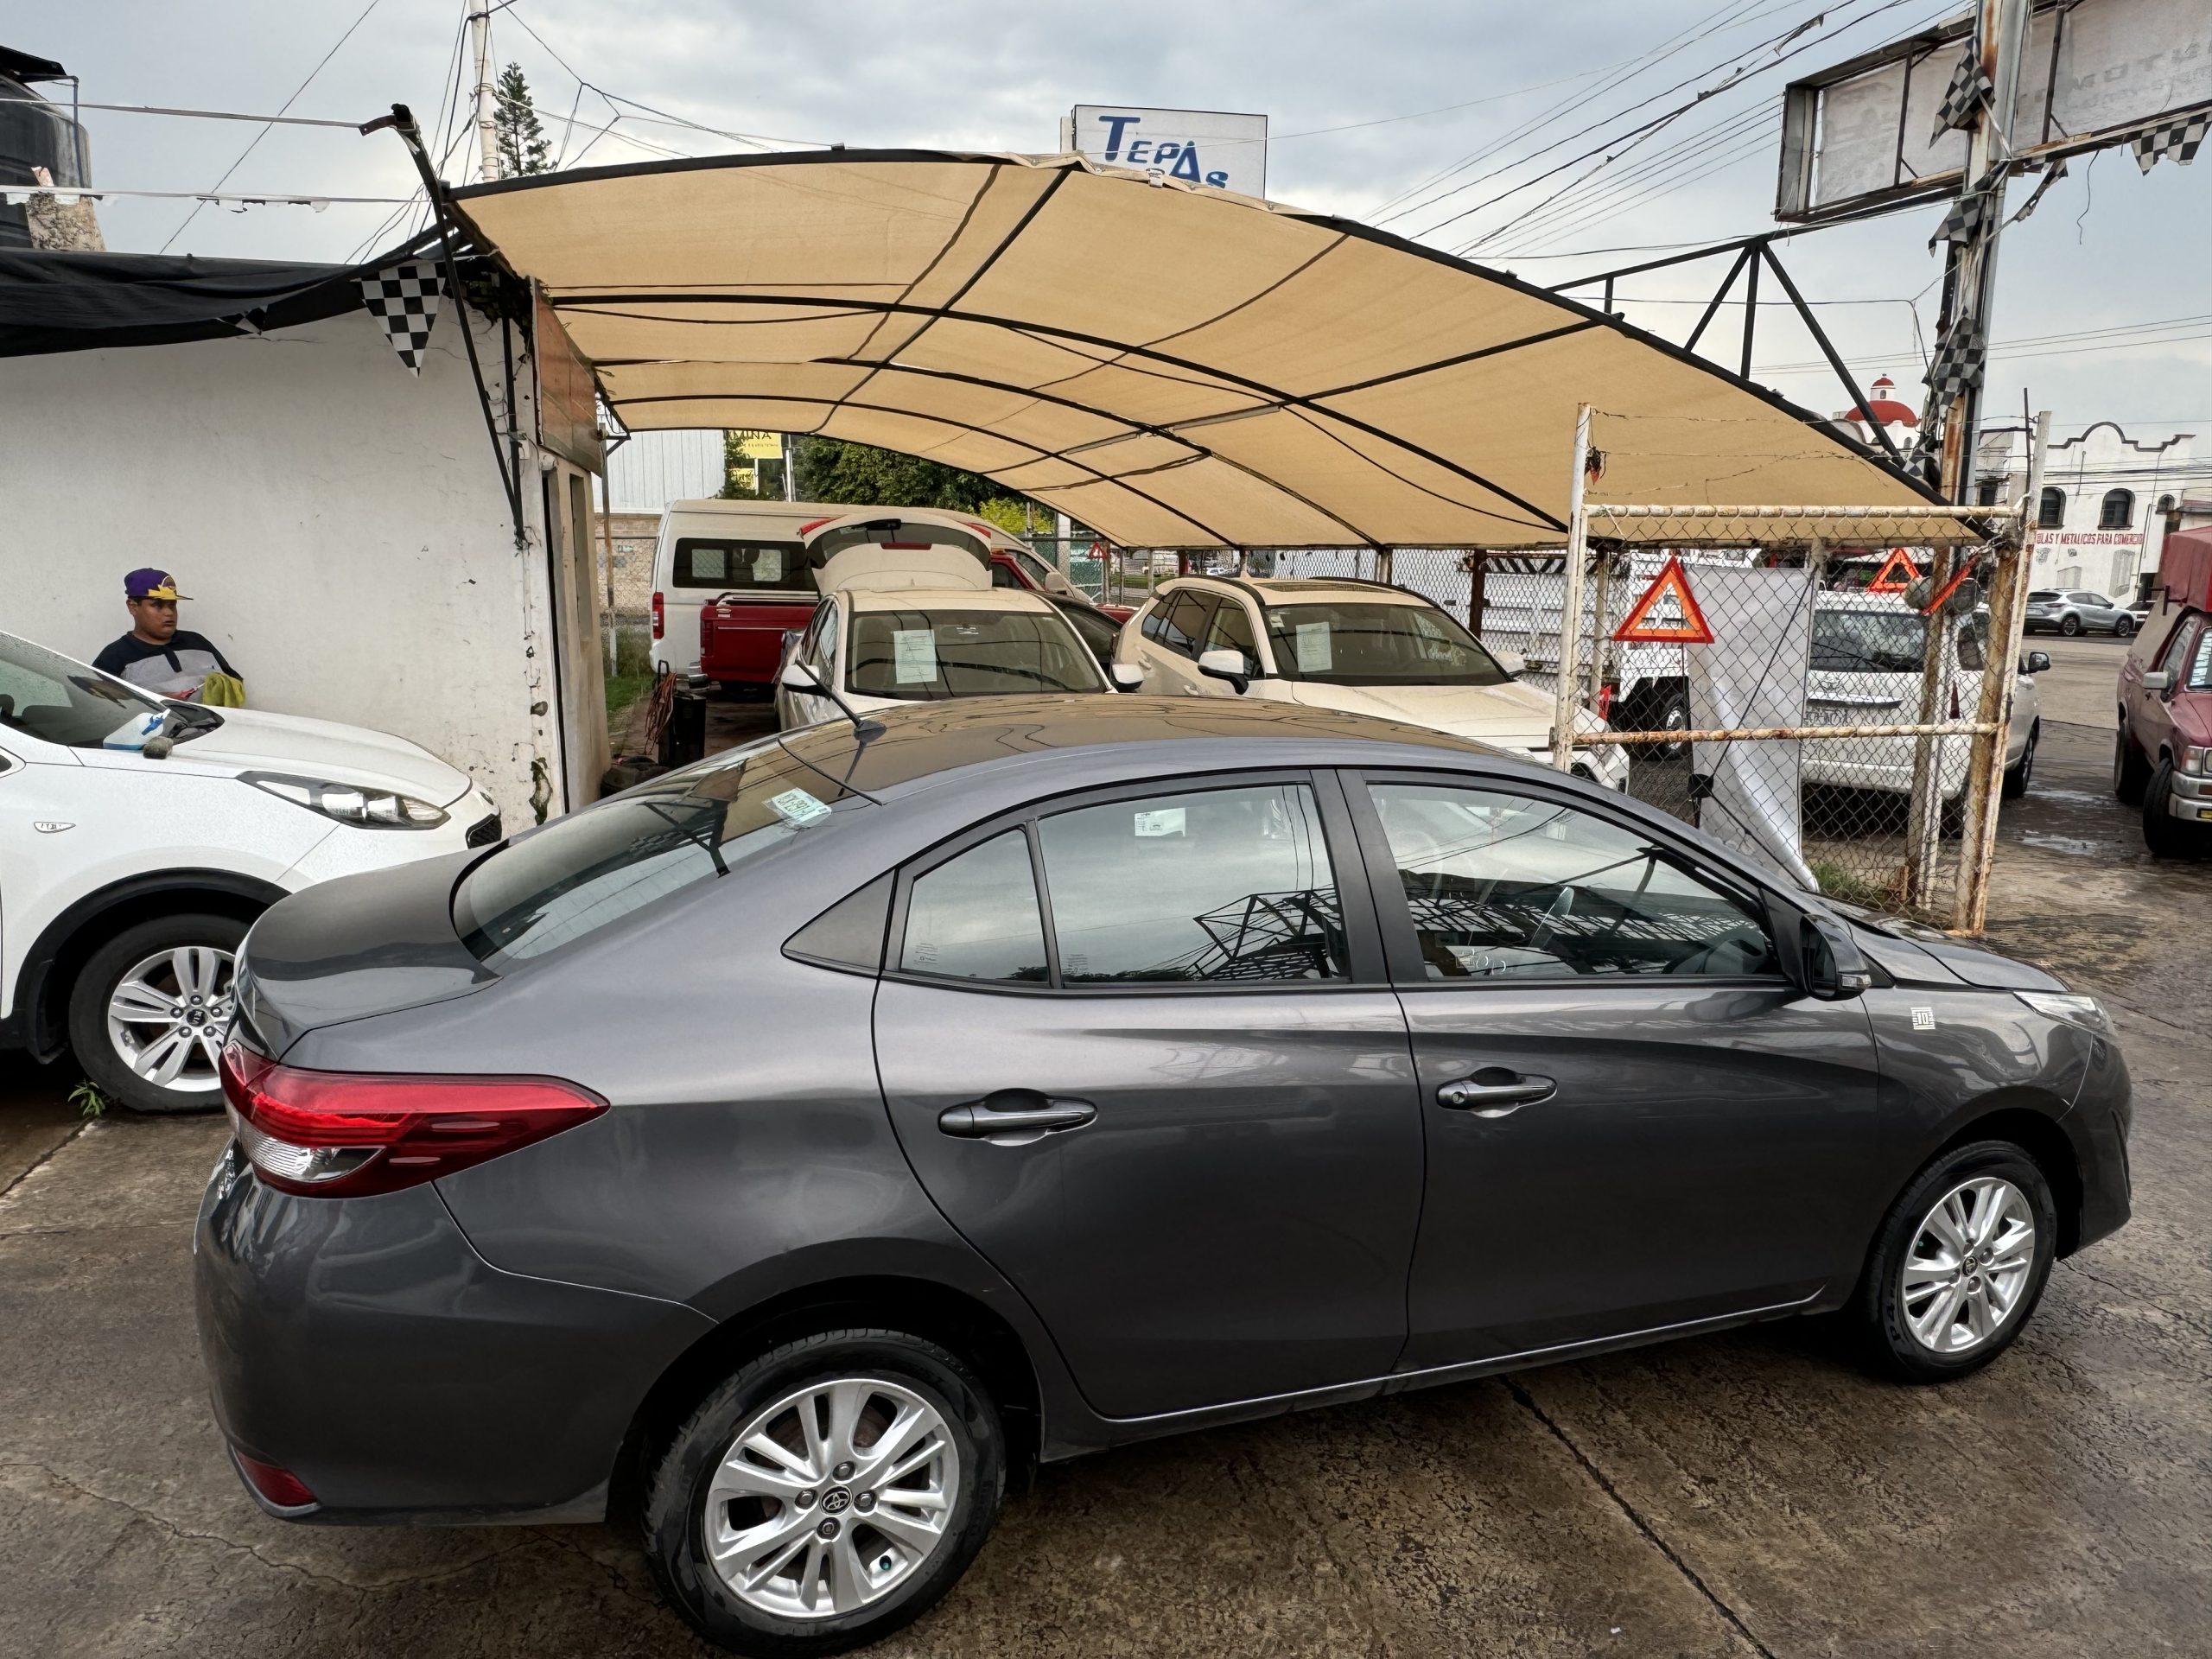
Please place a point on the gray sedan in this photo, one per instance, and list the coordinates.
(785, 1156)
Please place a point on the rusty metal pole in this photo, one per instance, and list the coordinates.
(2008, 614)
(1570, 610)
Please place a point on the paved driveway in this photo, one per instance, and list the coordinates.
(1742, 1495)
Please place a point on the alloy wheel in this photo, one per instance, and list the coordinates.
(168, 1017)
(1971, 1259)
(830, 1499)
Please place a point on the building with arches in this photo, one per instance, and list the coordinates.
(2108, 500)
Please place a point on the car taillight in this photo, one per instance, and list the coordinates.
(280, 1486)
(660, 618)
(1954, 702)
(342, 1134)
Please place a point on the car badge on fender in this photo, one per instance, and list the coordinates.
(50, 826)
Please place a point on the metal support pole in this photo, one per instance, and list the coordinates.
(1570, 613)
(790, 470)
(1751, 309)
(1601, 631)
(1383, 565)
(487, 140)
(2008, 612)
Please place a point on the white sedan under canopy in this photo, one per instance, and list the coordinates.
(1172, 366)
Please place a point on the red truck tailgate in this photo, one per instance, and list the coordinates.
(742, 641)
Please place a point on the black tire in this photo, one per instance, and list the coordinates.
(2123, 627)
(96, 983)
(2069, 625)
(2018, 775)
(1671, 712)
(1880, 1305)
(2166, 836)
(673, 1516)
(2131, 773)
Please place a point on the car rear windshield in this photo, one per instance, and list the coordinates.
(741, 567)
(1869, 642)
(1350, 643)
(585, 872)
(2045, 596)
(924, 655)
(892, 532)
(48, 696)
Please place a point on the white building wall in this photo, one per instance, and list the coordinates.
(651, 469)
(2081, 551)
(338, 522)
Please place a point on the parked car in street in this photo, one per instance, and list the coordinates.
(2162, 755)
(139, 838)
(1865, 669)
(909, 614)
(784, 1156)
(1363, 647)
(2075, 611)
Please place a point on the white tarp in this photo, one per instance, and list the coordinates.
(1752, 676)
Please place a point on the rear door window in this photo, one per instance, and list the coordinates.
(741, 566)
(975, 917)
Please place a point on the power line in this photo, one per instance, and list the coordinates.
(201, 115)
(282, 108)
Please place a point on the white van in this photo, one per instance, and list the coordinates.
(712, 547)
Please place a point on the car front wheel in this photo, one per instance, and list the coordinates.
(2165, 835)
(826, 1493)
(151, 1008)
(2021, 772)
(2122, 627)
(1959, 1263)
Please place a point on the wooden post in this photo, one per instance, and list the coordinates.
(1570, 612)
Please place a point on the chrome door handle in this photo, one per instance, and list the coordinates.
(1014, 1117)
(1495, 1092)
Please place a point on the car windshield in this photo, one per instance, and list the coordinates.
(1868, 642)
(581, 872)
(926, 655)
(48, 696)
(1352, 642)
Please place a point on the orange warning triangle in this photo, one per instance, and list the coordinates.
(1896, 572)
(1652, 622)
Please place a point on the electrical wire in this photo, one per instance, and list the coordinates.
(199, 114)
(281, 110)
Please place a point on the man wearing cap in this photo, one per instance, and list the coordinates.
(157, 655)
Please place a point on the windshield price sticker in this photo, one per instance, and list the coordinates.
(1314, 653)
(796, 806)
(1163, 821)
(913, 655)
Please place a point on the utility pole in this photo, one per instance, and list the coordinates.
(791, 472)
(487, 137)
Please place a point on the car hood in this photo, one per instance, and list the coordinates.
(253, 741)
(1918, 955)
(1512, 716)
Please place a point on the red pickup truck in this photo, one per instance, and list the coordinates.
(742, 630)
(2163, 755)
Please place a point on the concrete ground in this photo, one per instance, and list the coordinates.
(1748, 1494)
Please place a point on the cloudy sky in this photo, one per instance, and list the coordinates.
(1369, 104)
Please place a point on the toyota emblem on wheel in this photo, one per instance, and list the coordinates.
(836, 1501)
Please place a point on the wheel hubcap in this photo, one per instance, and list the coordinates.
(169, 1015)
(832, 1498)
(1967, 1265)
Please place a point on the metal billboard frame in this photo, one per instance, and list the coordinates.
(1804, 105)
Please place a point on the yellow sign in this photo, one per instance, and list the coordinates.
(760, 446)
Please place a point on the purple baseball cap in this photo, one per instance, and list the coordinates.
(150, 583)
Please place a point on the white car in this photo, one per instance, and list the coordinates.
(140, 838)
(1865, 669)
(909, 614)
(1363, 647)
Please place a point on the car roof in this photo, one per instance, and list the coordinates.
(1291, 590)
(945, 599)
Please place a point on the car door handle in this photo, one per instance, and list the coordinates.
(1014, 1117)
(1495, 1092)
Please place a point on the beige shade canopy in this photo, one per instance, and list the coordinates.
(1170, 364)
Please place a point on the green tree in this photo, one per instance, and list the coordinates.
(832, 470)
(521, 141)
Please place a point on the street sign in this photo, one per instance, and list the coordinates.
(1667, 614)
(2095, 74)
(1897, 571)
(1197, 146)
(760, 446)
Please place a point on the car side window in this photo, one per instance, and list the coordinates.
(1187, 615)
(814, 650)
(1001, 577)
(1504, 887)
(1211, 885)
(1231, 630)
(2178, 651)
(2200, 671)
(975, 917)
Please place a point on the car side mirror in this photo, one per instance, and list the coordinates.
(2158, 679)
(1512, 662)
(1056, 583)
(1225, 665)
(796, 677)
(1127, 676)
(1833, 969)
(2038, 662)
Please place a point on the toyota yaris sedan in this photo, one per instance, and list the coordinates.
(788, 1154)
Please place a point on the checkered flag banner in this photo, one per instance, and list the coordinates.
(1965, 221)
(1960, 361)
(1968, 91)
(405, 298)
(2178, 139)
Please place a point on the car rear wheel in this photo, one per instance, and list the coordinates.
(826, 1494)
(2016, 775)
(2069, 626)
(151, 1008)
(2130, 773)
(1959, 1263)
(2166, 836)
